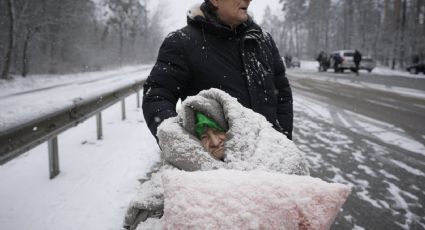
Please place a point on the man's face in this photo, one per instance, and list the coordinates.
(232, 12)
(213, 141)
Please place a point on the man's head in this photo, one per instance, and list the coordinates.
(212, 136)
(232, 12)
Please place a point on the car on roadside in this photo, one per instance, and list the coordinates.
(367, 63)
(347, 57)
(295, 62)
(291, 62)
(416, 68)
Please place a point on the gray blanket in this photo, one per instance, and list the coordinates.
(251, 144)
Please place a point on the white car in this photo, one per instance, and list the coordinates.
(347, 59)
(367, 63)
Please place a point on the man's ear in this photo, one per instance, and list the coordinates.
(214, 2)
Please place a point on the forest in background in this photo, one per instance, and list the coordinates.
(391, 31)
(62, 36)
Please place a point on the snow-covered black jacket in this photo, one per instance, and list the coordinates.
(207, 54)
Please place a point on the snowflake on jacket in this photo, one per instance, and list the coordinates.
(205, 54)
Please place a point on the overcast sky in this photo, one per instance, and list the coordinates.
(177, 10)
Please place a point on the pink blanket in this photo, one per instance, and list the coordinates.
(229, 199)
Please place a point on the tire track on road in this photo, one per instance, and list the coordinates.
(366, 102)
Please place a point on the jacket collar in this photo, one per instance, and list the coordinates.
(204, 16)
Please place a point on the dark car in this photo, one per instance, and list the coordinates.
(416, 68)
(295, 62)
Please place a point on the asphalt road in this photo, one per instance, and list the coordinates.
(372, 139)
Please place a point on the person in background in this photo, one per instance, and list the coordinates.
(415, 59)
(357, 58)
(337, 62)
(322, 58)
(221, 47)
(288, 60)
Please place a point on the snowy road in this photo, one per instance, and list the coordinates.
(358, 131)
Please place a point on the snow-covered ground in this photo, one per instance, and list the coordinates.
(379, 70)
(377, 158)
(352, 149)
(385, 132)
(98, 178)
(26, 99)
(312, 66)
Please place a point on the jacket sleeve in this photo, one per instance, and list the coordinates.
(167, 80)
(284, 93)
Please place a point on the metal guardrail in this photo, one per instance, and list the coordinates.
(18, 140)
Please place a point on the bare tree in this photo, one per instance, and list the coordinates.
(8, 56)
(153, 34)
(392, 31)
(129, 18)
(62, 36)
(28, 25)
(295, 13)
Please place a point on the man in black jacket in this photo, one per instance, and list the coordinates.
(357, 58)
(221, 47)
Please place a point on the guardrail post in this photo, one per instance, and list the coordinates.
(138, 98)
(123, 109)
(99, 126)
(53, 157)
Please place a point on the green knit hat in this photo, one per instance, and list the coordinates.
(203, 122)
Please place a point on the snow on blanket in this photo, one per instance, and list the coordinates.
(230, 199)
(251, 144)
(251, 141)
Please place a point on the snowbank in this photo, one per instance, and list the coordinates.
(97, 179)
(24, 100)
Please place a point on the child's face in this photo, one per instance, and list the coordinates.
(213, 141)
